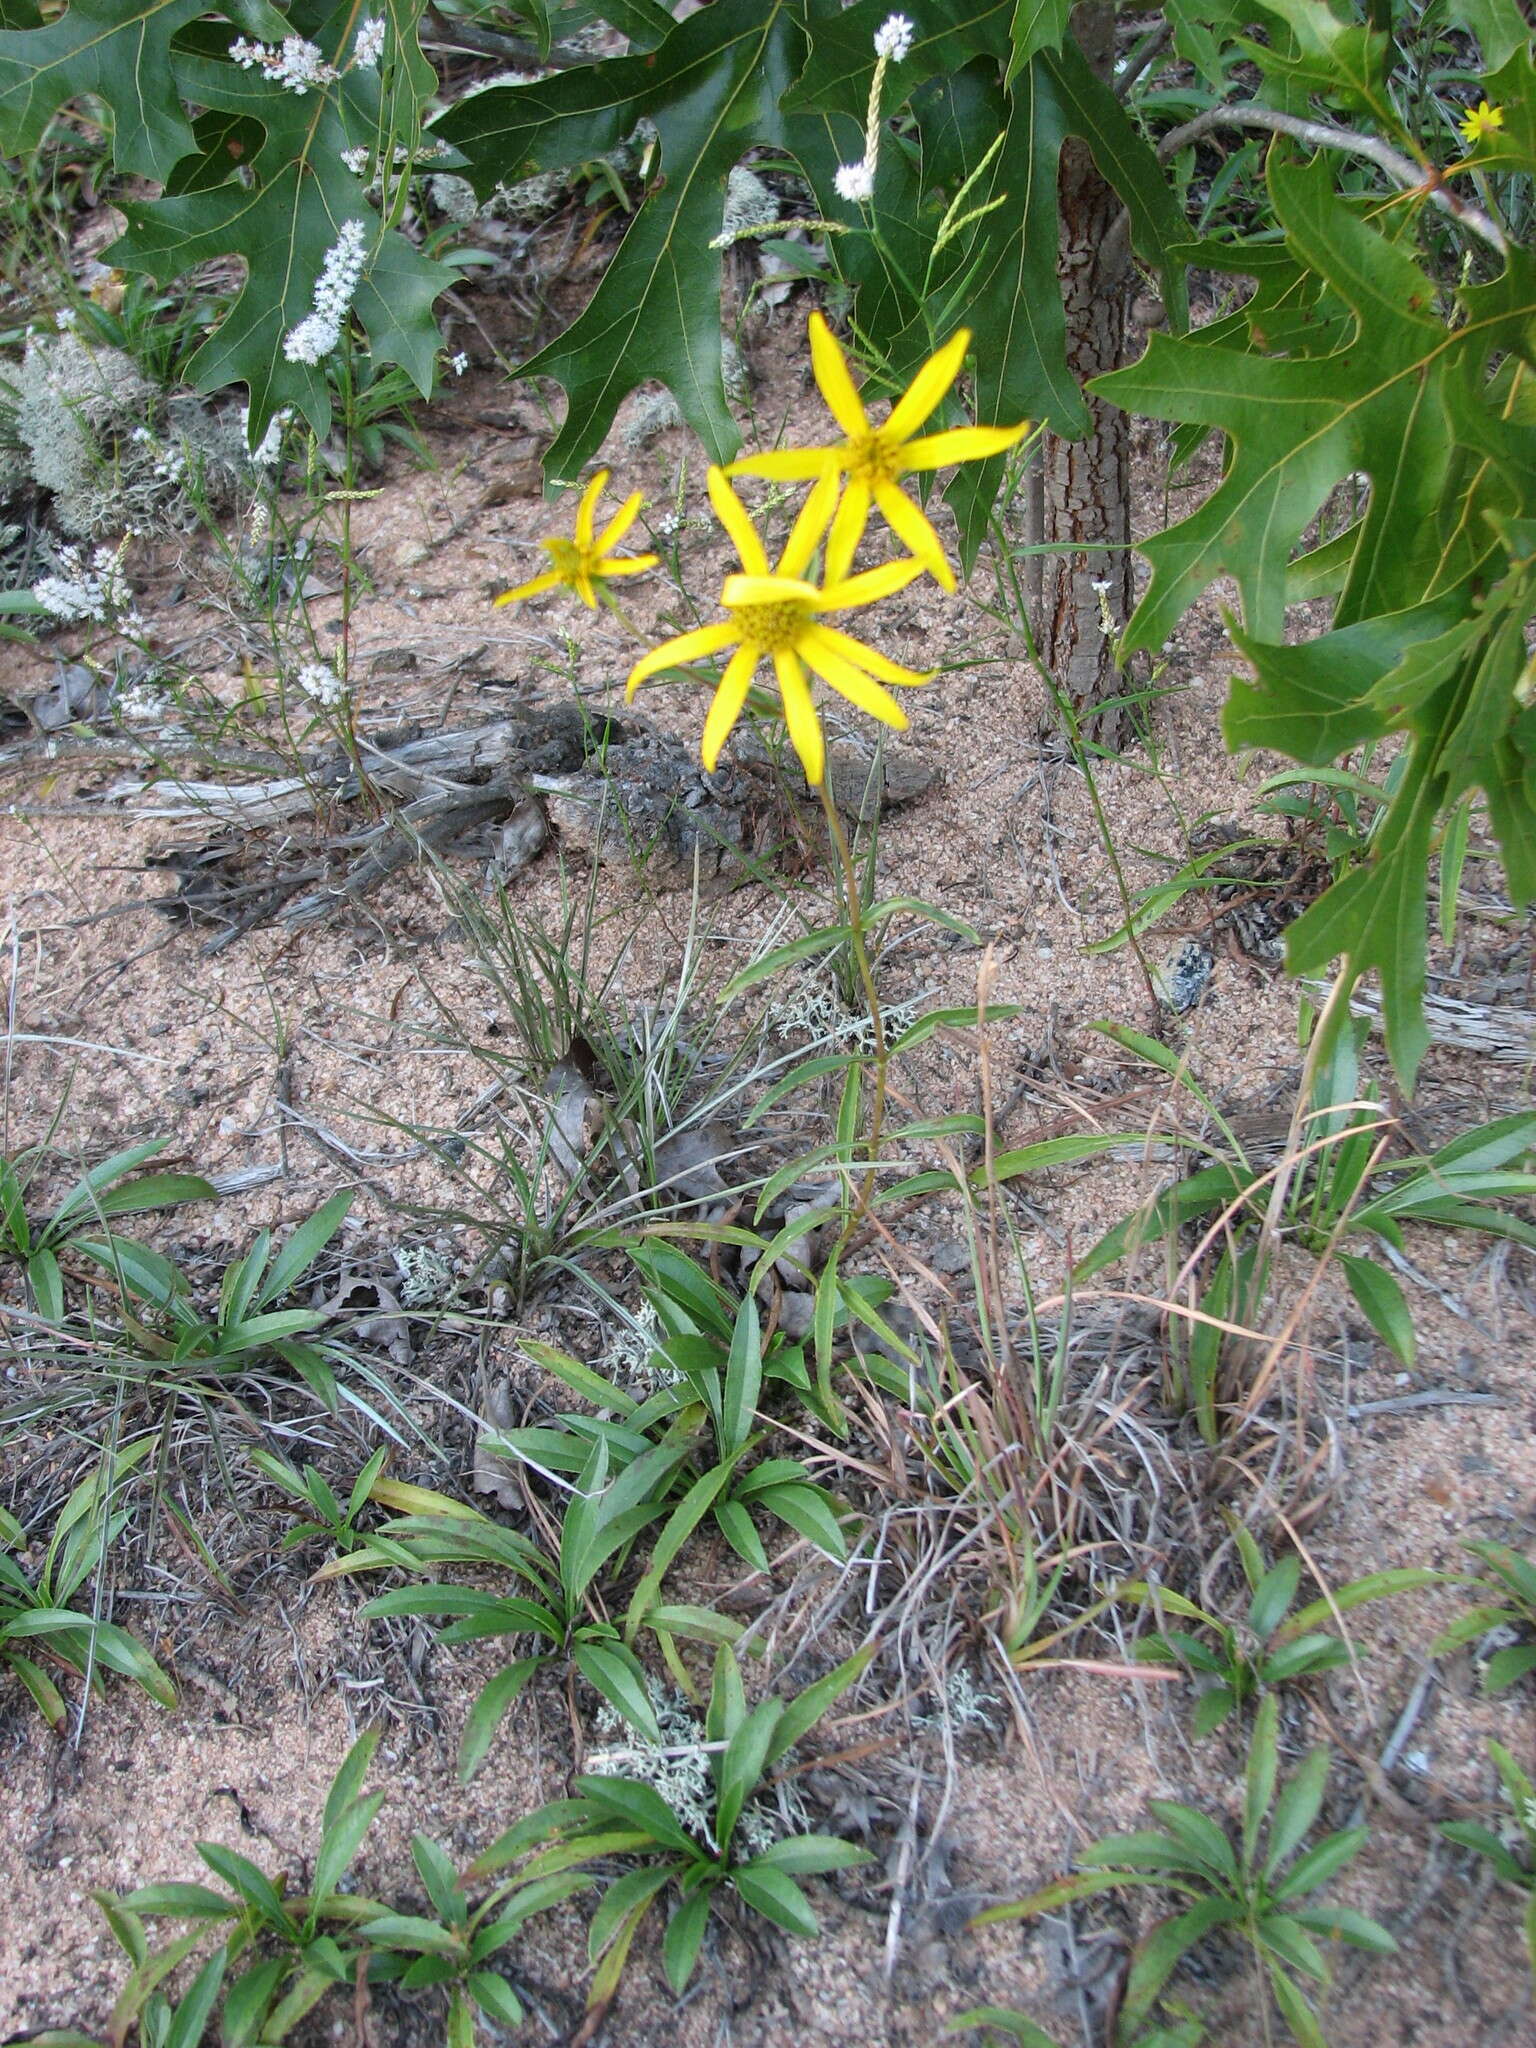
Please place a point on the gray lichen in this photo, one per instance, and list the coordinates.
(111, 453)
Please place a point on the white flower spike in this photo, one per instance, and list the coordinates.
(298, 64)
(893, 38)
(316, 336)
(369, 47)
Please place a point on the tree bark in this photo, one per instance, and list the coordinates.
(1080, 492)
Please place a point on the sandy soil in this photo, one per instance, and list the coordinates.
(326, 1055)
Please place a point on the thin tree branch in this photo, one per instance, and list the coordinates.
(1321, 135)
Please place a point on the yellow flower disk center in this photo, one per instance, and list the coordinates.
(874, 459)
(776, 627)
(569, 558)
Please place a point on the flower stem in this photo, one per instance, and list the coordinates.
(858, 942)
(611, 604)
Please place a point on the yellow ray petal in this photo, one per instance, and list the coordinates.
(686, 647)
(789, 465)
(768, 590)
(927, 387)
(725, 706)
(869, 658)
(836, 386)
(619, 524)
(871, 584)
(912, 527)
(800, 716)
(583, 589)
(586, 511)
(852, 683)
(960, 444)
(625, 565)
(732, 515)
(847, 530)
(805, 535)
(547, 581)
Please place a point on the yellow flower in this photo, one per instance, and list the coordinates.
(582, 559)
(777, 613)
(874, 458)
(1483, 121)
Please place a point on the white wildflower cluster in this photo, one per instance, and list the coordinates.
(317, 679)
(66, 318)
(142, 702)
(893, 38)
(459, 363)
(356, 158)
(97, 590)
(369, 46)
(267, 450)
(295, 62)
(855, 183)
(317, 334)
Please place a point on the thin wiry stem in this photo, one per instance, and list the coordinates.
(856, 940)
(1422, 178)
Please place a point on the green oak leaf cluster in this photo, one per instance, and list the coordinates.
(249, 167)
(794, 78)
(1379, 345)
(1348, 361)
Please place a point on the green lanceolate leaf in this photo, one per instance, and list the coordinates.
(1381, 1301)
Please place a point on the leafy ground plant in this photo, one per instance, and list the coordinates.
(1333, 1182)
(1508, 1581)
(1512, 1852)
(1001, 2023)
(599, 1525)
(705, 1856)
(1273, 1645)
(455, 1948)
(165, 1322)
(713, 1368)
(289, 1949)
(113, 1188)
(1256, 1888)
(37, 1620)
(280, 1952)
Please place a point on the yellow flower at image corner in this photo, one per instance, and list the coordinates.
(582, 560)
(1483, 121)
(874, 459)
(776, 614)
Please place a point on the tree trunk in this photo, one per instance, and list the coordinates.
(1081, 489)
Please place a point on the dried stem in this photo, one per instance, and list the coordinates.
(1423, 178)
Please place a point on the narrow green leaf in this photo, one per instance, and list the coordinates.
(491, 1705)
